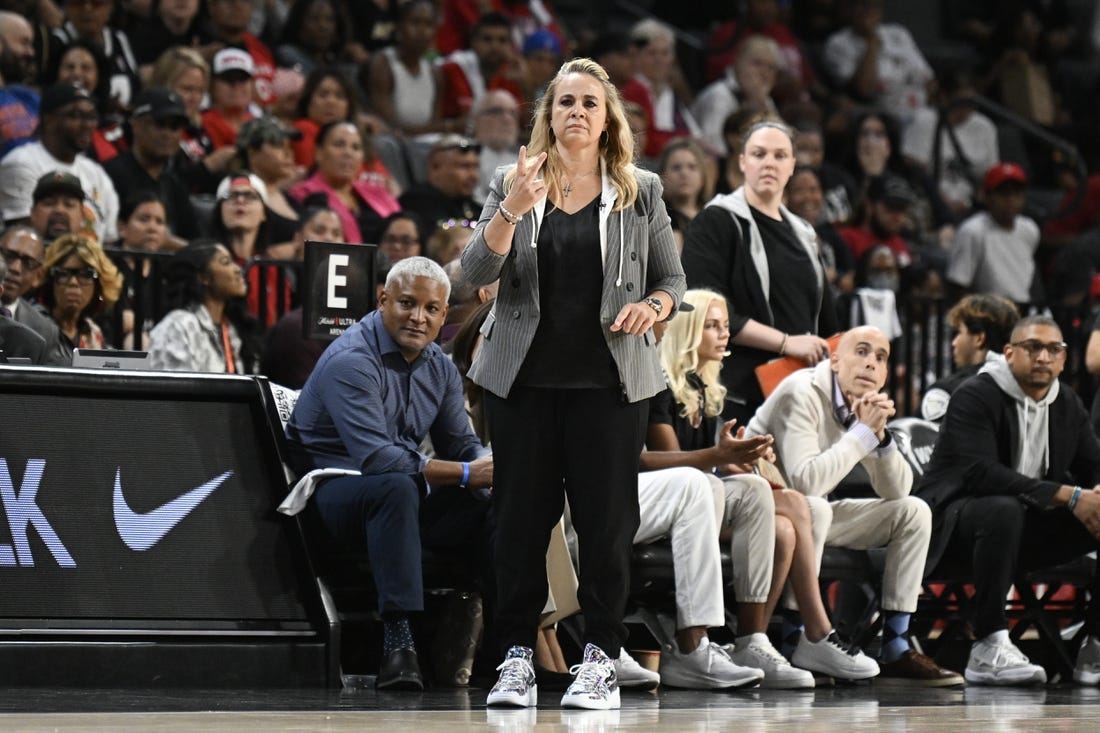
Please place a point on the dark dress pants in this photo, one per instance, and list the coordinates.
(549, 444)
(998, 537)
(385, 515)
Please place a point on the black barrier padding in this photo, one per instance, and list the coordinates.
(189, 537)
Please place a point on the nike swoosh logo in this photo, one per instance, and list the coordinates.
(142, 531)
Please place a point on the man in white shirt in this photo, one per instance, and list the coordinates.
(879, 62)
(976, 135)
(994, 250)
(825, 420)
(68, 119)
(748, 81)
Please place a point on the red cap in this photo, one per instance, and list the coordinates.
(1003, 173)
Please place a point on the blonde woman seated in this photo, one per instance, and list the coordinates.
(772, 537)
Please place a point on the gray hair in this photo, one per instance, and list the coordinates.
(412, 267)
(462, 289)
(483, 103)
(649, 30)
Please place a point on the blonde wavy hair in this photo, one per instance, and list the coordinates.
(109, 284)
(678, 352)
(617, 151)
(173, 62)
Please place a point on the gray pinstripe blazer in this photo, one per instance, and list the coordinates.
(647, 262)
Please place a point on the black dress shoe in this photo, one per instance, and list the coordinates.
(553, 681)
(400, 671)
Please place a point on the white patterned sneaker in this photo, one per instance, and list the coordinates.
(516, 686)
(1087, 669)
(778, 673)
(595, 684)
(995, 660)
(709, 667)
(633, 675)
(833, 658)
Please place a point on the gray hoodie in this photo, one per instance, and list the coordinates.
(1031, 455)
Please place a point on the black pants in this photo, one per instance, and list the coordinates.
(549, 444)
(998, 537)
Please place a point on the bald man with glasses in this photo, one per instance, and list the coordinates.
(1014, 485)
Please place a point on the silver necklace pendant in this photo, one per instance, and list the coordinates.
(566, 190)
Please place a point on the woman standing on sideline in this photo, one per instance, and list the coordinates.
(750, 248)
(583, 248)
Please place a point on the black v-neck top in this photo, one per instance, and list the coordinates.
(794, 294)
(569, 349)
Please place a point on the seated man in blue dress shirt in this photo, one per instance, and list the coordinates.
(375, 394)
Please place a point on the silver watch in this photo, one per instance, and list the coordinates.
(655, 304)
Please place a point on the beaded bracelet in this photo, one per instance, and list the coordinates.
(509, 217)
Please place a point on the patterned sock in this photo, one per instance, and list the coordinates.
(396, 634)
(792, 631)
(895, 635)
(520, 652)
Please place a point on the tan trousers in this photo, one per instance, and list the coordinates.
(903, 526)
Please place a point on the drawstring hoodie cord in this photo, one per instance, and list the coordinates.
(622, 232)
(1032, 451)
(622, 246)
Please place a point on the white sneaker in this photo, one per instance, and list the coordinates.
(831, 657)
(516, 686)
(1087, 669)
(595, 685)
(778, 673)
(709, 667)
(995, 660)
(633, 675)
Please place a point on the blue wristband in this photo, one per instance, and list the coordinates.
(465, 474)
(1073, 499)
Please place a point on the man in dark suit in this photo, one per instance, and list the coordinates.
(1014, 484)
(22, 257)
(16, 340)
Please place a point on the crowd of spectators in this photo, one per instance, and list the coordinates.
(169, 86)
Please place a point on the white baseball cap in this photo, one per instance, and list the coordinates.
(233, 59)
(240, 180)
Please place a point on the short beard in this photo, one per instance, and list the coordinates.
(13, 69)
